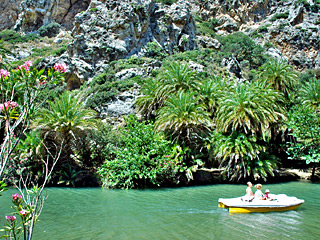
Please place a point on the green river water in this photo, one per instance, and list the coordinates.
(175, 213)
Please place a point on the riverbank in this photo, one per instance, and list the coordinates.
(214, 176)
(207, 176)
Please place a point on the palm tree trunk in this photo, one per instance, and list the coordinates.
(313, 172)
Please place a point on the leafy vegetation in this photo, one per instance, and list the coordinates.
(50, 30)
(12, 36)
(304, 128)
(166, 2)
(64, 121)
(194, 113)
(144, 159)
(242, 47)
(280, 75)
(277, 16)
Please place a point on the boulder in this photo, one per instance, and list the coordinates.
(208, 42)
(195, 66)
(233, 67)
(78, 70)
(296, 15)
(121, 105)
(275, 53)
(130, 73)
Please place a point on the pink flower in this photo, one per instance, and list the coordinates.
(60, 67)
(23, 212)
(16, 197)
(8, 104)
(26, 66)
(10, 218)
(28, 63)
(4, 73)
(13, 104)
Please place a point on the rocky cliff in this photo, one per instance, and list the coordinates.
(30, 15)
(106, 30)
(10, 10)
(111, 30)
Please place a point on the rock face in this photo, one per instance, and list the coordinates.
(9, 13)
(233, 67)
(234, 13)
(110, 30)
(36, 13)
(122, 104)
(291, 26)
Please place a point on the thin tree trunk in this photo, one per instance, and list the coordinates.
(313, 172)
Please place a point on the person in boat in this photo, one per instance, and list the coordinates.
(267, 195)
(249, 194)
(258, 195)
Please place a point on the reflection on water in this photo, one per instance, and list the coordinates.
(181, 213)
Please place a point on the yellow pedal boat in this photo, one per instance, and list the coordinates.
(281, 202)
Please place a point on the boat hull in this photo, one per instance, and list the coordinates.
(261, 209)
(240, 205)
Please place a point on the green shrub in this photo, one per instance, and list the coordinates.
(279, 16)
(93, 9)
(242, 47)
(12, 36)
(96, 146)
(207, 27)
(154, 50)
(41, 51)
(166, 2)
(255, 34)
(283, 25)
(268, 45)
(50, 30)
(306, 76)
(263, 28)
(145, 159)
(58, 52)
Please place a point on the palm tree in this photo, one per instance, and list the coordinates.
(240, 156)
(65, 120)
(280, 75)
(149, 102)
(176, 77)
(183, 117)
(310, 94)
(211, 91)
(250, 108)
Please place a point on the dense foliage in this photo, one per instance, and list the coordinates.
(221, 121)
(145, 158)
